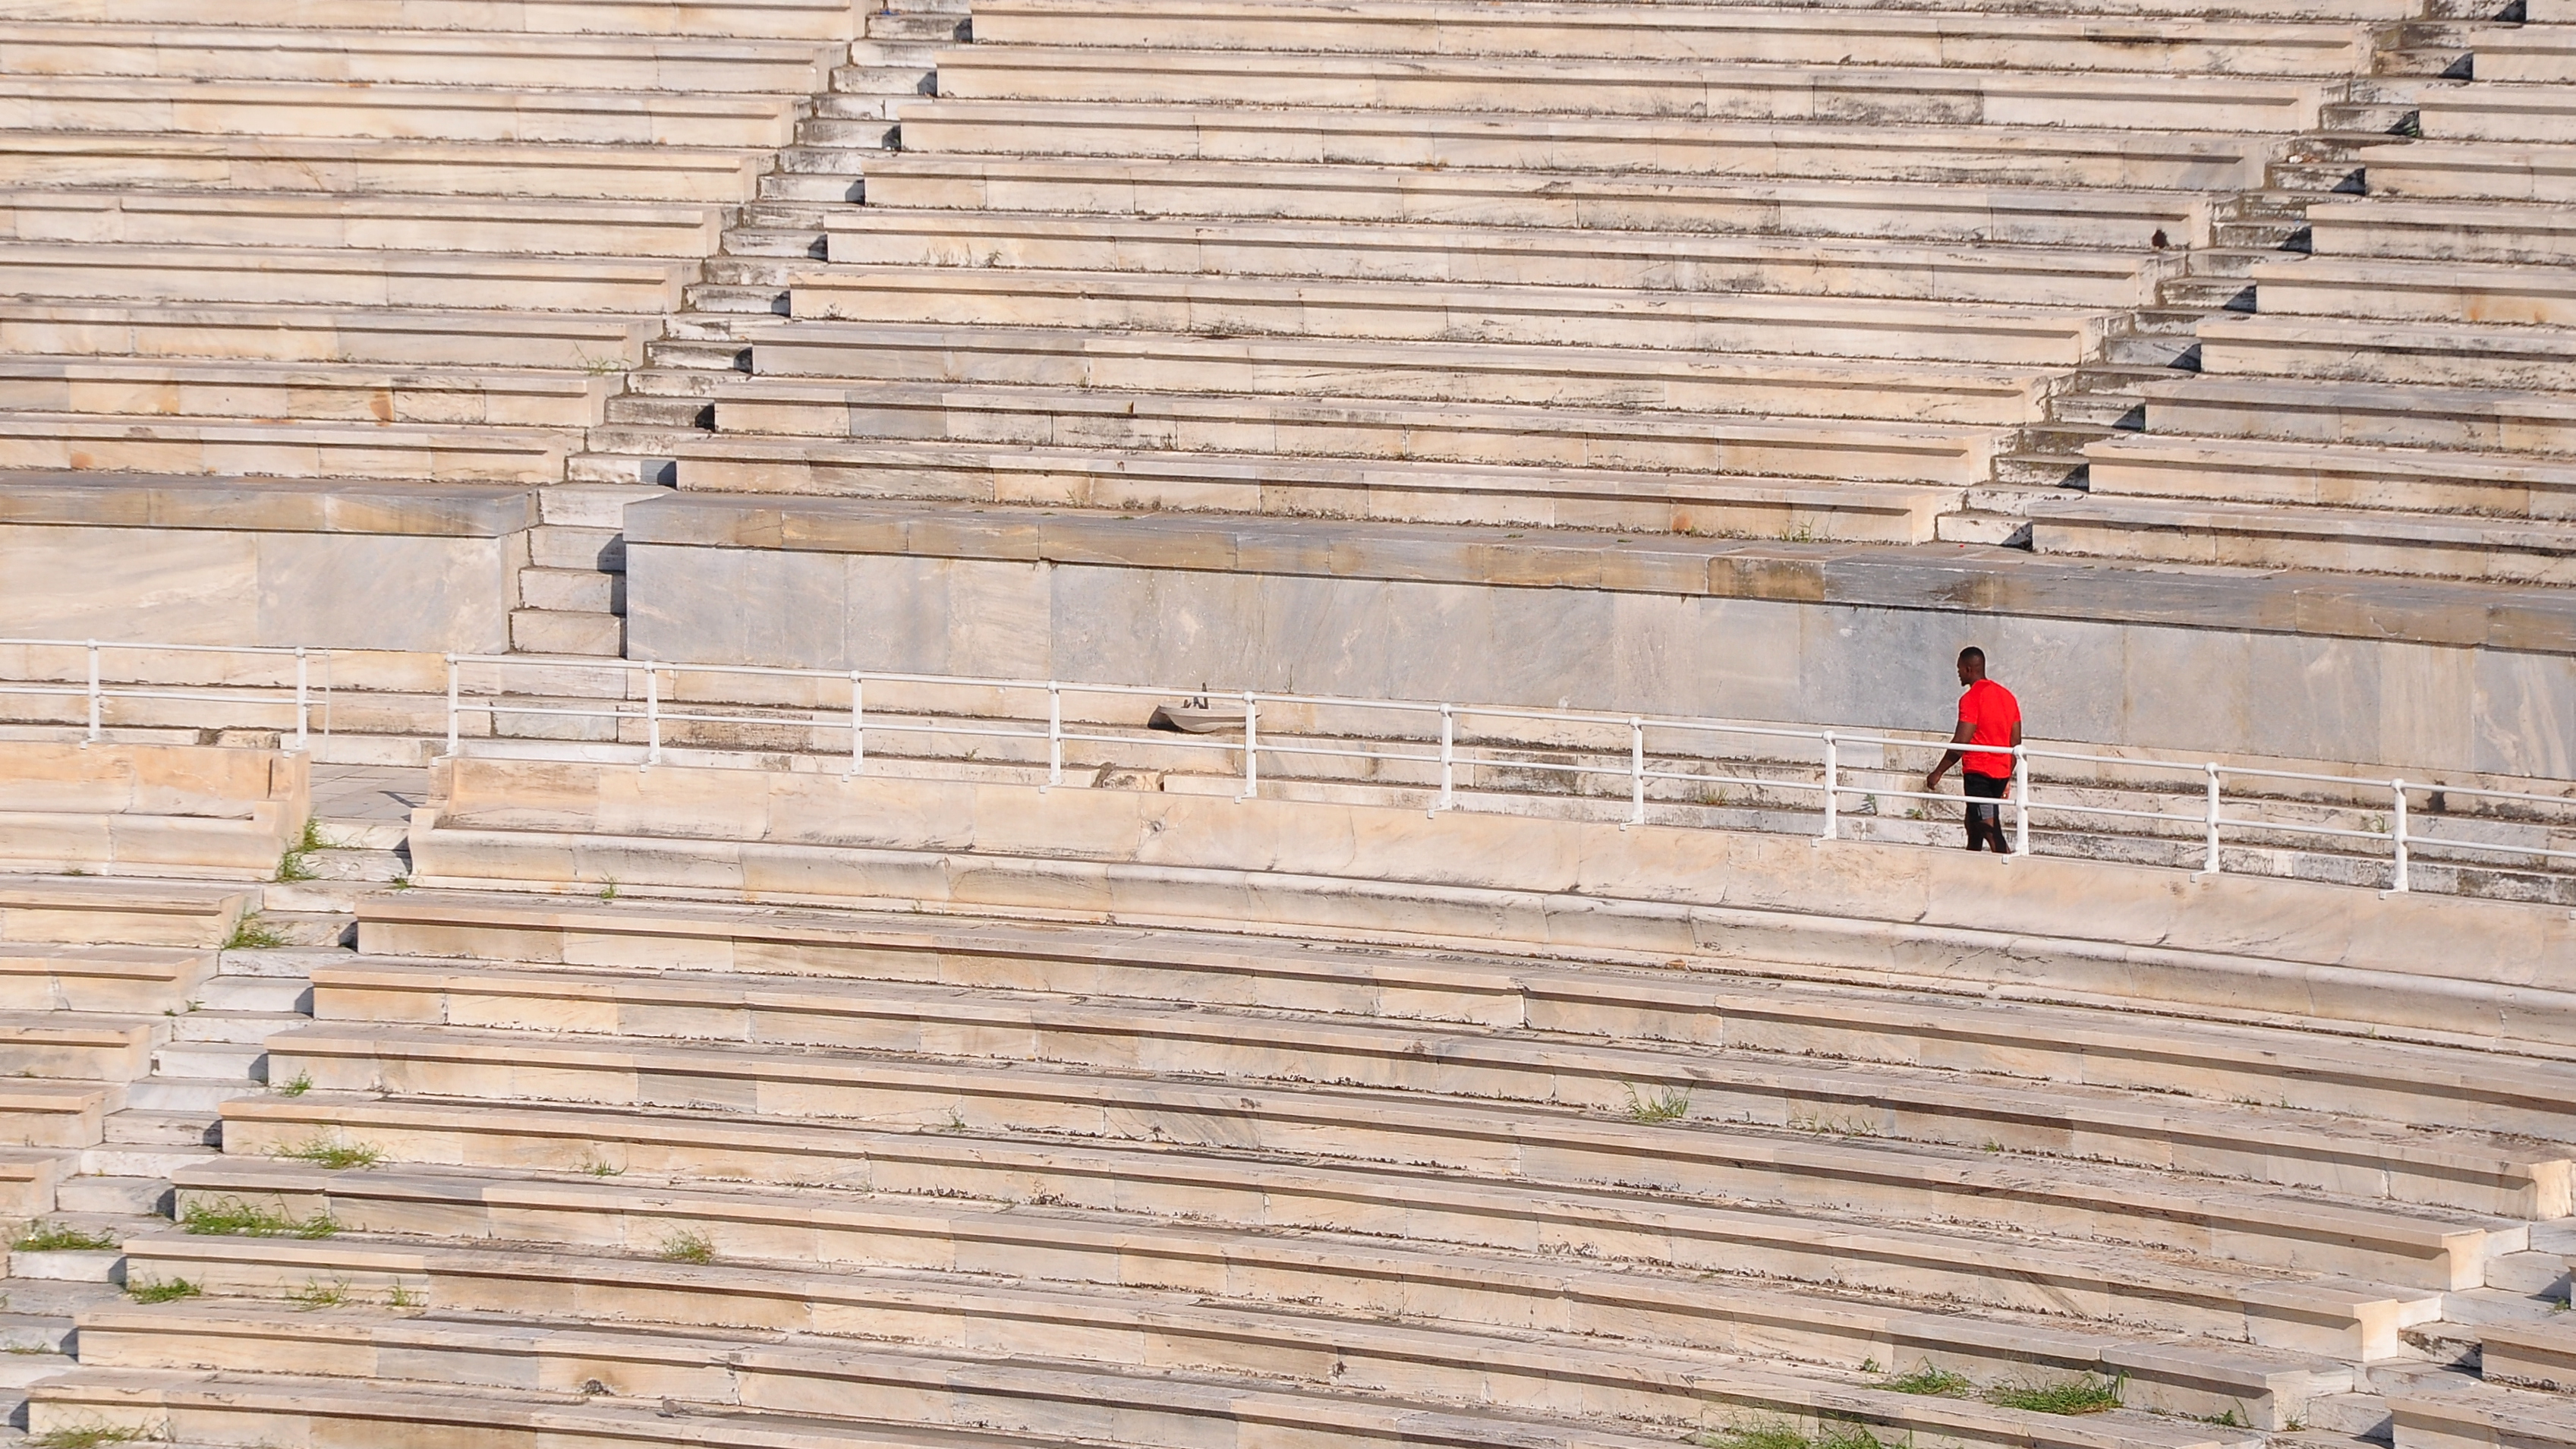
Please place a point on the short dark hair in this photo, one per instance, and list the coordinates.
(1972, 652)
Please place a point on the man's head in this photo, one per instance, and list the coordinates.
(1972, 664)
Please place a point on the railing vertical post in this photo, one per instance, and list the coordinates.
(93, 690)
(2211, 819)
(858, 723)
(1251, 747)
(2397, 834)
(302, 685)
(652, 716)
(451, 704)
(2021, 802)
(1448, 758)
(1636, 771)
(1055, 733)
(1833, 788)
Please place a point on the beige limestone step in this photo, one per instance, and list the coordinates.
(1768, 1011)
(28, 1176)
(405, 337)
(2473, 171)
(935, 1407)
(386, 223)
(1419, 1368)
(2490, 421)
(565, 631)
(2430, 354)
(76, 1046)
(1456, 255)
(1858, 1176)
(35, 1112)
(1398, 312)
(343, 277)
(1807, 35)
(730, 20)
(1528, 437)
(2334, 475)
(1877, 95)
(93, 912)
(1336, 1274)
(448, 112)
(1540, 497)
(886, 1379)
(1471, 373)
(374, 54)
(104, 978)
(2158, 1286)
(1601, 166)
(445, 454)
(2496, 110)
(2471, 1173)
(2531, 1355)
(2524, 53)
(2339, 540)
(2485, 293)
(2484, 1417)
(305, 392)
(349, 165)
(2465, 231)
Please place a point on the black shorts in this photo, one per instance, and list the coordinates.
(1984, 787)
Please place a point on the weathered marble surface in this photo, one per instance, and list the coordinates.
(349, 566)
(2378, 673)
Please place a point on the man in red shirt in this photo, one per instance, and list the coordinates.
(1988, 715)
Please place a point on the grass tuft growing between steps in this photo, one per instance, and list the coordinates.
(232, 1217)
(162, 1290)
(1782, 1435)
(297, 863)
(2087, 1395)
(87, 1436)
(56, 1238)
(1669, 1104)
(688, 1247)
(250, 933)
(334, 1155)
(1938, 1383)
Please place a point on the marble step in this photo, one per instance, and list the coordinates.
(1463, 255)
(2504, 488)
(1595, 498)
(286, 109)
(305, 392)
(1396, 312)
(1860, 94)
(1710, 33)
(329, 165)
(1464, 155)
(377, 53)
(177, 446)
(2285, 537)
(389, 223)
(592, 344)
(1452, 433)
(1462, 373)
(728, 22)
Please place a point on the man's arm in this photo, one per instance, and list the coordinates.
(1966, 733)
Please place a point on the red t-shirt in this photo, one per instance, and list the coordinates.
(1990, 711)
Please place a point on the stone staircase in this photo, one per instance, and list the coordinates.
(573, 593)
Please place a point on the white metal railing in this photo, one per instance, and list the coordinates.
(96, 690)
(1426, 736)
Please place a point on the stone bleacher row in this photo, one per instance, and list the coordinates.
(1827, 272)
(418, 242)
(626, 1172)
